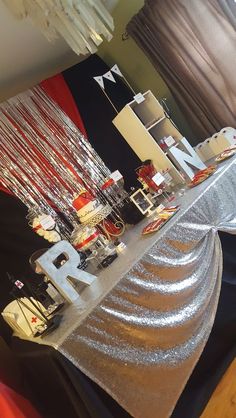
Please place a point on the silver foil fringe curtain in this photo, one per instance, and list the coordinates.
(45, 160)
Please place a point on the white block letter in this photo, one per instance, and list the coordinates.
(182, 158)
(69, 270)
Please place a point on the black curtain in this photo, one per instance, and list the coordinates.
(17, 242)
(97, 114)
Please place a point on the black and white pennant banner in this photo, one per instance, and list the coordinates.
(115, 69)
(100, 81)
(109, 76)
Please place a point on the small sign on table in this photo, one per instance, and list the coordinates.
(116, 176)
(158, 179)
(139, 98)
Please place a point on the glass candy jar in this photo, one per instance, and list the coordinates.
(45, 226)
(99, 251)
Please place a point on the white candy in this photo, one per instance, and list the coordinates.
(51, 236)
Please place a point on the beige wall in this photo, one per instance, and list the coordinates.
(134, 63)
(26, 55)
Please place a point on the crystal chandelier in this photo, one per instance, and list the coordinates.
(82, 23)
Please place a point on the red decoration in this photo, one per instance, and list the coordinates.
(202, 175)
(153, 226)
(13, 405)
(58, 90)
(107, 184)
(19, 284)
(34, 320)
(36, 228)
(86, 241)
(83, 199)
(111, 228)
(146, 172)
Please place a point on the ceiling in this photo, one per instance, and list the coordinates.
(26, 57)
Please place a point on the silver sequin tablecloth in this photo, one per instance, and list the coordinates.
(139, 330)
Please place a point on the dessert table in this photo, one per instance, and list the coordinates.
(140, 328)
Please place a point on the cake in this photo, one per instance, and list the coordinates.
(87, 207)
(84, 237)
